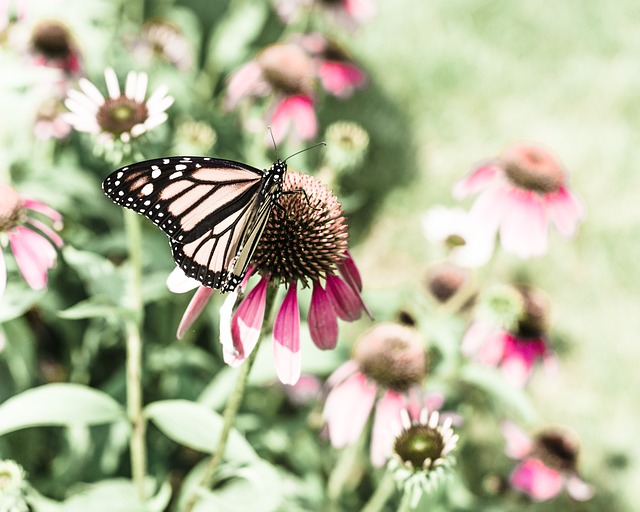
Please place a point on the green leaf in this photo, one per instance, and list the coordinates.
(492, 382)
(90, 308)
(17, 299)
(198, 427)
(117, 495)
(59, 405)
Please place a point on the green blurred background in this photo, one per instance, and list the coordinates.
(471, 76)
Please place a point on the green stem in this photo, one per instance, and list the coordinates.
(137, 447)
(385, 489)
(232, 407)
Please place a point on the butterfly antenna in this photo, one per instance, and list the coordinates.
(275, 146)
(306, 149)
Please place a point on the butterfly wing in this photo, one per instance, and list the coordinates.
(185, 196)
(213, 211)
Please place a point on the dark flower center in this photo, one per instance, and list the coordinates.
(532, 324)
(418, 444)
(120, 115)
(392, 355)
(532, 168)
(287, 68)
(444, 281)
(52, 40)
(306, 236)
(556, 450)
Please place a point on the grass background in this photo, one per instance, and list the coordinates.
(471, 76)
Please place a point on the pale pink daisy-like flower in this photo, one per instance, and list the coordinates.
(49, 123)
(305, 242)
(422, 452)
(548, 463)
(350, 14)
(121, 116)
(520, 193)
(516, 341)
(160, 38)
(387, 368)
(454, 229)
(32, 241)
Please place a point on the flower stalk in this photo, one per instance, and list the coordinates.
(385, 489)
(232, 407)
(137, 446)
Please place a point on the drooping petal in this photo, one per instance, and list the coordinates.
(246, 324)
(476, 181)
(540, 482)
(322, 319)
(45, 230)
(484, 342)
(178, 282)
(286, 339)
(519, 357)
(524, 229)
(347, 409)
(345, 300)
(195, 307)
(34, 255)
(344, 371)
(349, 272)
(566, 211)
(341, 78)
(578, 489)
(518, 443)
(294, 115)
(245, 81)
(387, 415)
(488, 210)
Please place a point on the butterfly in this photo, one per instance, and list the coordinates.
(213, 211)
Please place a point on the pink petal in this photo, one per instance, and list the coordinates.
(519, 358)
(322, 319)
(195, 307)
(340, 78)
(578, 489)
(484, 342)
(295, 115)
(46, 231)
(351, 275)
(34, 255)
(361, 10)
(286, 338)
(347, 409)
(385, 423)
(540, 482)
(346, 301)
(524, 229)
(39, 207)
(518, 443)
(3, 275)
(246, 324)
(178, 282)
(245, 81)
(488, 210)
(566, 211)
(476, 181)
(344, 371)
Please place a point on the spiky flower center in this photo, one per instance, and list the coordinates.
(419, 446)
(121, 114)
(306, 236)
(12, 211)
(557, 450)
(52, 40)
(445, 280)
(392, 355)
(532, 168)
(287, 68)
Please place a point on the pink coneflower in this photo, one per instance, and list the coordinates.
(388, 360)
(162, 39)
(348, 13)
(121, 116)
(521, 191)
(548, 463)
(31, 240)
(305, 242)
(52, 45)
(49, 123)
(510, 331)
(443, 281)
(287, 73)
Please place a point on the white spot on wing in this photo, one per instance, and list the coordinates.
(147, 189)
(175, 175)
(165, 161)
(119, 175)
(180, 167)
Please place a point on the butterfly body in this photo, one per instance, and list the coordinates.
(213, 210)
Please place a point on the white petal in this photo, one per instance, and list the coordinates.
(157, 95)
(83, 99)
(131, 85)
(111, 80)
(141, 87)
(91, 91)
(179, 282)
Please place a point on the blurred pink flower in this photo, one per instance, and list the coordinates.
(514, 348)
(301, 244)
(548, 464)
(520, 192)
(32, 241)
(389, 361)
(350, 14)
(52, 45)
